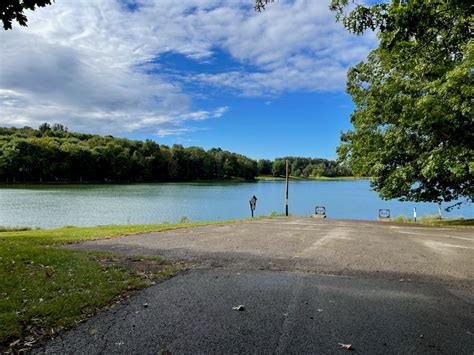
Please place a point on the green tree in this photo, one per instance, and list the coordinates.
(308, 170)
(279, 167)
(264, 167)
(319, 170)
(10, 157)
(230, 167)
(217, 156)
(183, 163)
(200, 163)
(52, 153)
(44, 127)
(413, 122)
(248, 168)
(13, 10)
(78, 161)
(260, 4)
(59, 127)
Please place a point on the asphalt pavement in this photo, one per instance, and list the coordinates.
(305, 286)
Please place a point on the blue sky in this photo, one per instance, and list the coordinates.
(195, 72)
(296, 124)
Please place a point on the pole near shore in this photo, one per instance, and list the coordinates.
(286, 190)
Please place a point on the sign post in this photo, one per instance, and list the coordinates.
(414, 214)
(253, 204)
(286, 190)
(384, 214)
(319, 212)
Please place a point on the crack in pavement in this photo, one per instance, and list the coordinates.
(288, 322)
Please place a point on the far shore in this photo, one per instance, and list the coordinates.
(315, 178)
(234, 179)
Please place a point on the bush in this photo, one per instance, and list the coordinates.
(402, 218)
(184, 219)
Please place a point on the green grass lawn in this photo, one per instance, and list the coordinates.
(269, 178)
(46, 288)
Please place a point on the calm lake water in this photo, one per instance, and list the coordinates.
(89, 205)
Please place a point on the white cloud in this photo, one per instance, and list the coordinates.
(82, 62)
(174, 125)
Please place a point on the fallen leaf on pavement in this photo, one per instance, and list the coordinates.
(346, 346)
(14, 343)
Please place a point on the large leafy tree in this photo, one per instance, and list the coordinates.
(413, 121)
(13, 10)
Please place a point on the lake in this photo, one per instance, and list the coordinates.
(89, 205)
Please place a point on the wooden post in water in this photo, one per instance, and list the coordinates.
(286, 190)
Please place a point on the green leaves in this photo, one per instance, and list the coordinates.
(414, 125)
(54, 154)
(12, 10)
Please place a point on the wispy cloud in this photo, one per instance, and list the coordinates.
(92, 64)
(165, 125)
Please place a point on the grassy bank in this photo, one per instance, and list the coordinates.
(318, 178)
(46, 288)
(433, 220)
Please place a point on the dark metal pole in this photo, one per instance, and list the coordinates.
(286, 190)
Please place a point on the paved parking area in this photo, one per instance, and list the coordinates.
(306, 285)
(340, 247)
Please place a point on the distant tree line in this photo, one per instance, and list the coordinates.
(303, 167)
(53, 154)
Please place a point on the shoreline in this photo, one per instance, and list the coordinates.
(428, 220)
(320, 178)
(77, 183)
(232, 180)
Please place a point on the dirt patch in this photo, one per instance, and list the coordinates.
(146, 271)
(150, 270)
